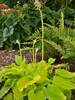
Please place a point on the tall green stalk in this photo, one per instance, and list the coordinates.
(33, 51)
(41, 15)
(38, 6)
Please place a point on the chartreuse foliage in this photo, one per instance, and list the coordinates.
(35, 81)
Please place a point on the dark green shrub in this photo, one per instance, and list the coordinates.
(20, 24)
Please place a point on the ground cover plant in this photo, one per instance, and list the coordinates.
(22, 81)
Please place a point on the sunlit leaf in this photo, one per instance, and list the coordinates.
(38, 95)
(63, 83)
(54, 93)
(64, 73)
(9, 96)
(18, 59)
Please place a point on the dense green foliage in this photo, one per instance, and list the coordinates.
(26, 20)
(24, 24)
(47, 26)
(20, 24)
(22, 81)
(62, 39)
(53, 4)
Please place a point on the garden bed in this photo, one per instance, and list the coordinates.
(8, 57)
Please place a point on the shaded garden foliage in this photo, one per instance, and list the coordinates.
(53, 4)
(24, 24)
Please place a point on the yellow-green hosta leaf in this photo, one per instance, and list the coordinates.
(38, 95)
(51, 61)
(54, 93)
(7, 85)
(24, 82)
(9, 96)
(64, 73)
(63, 83)
(31, 95)
(43, 70)
(8, 72)
(17, 95)
(18, 59)
(68, 94)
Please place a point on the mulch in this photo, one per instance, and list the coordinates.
(8, 57)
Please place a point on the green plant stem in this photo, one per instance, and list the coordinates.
(35, 56)
(20, 50)
(41, 15)
(33, 52)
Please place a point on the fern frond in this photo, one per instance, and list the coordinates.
(61, 38)
(56, 46)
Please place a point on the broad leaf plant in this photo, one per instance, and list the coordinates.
(35, 81)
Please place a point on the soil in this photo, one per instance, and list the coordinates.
(8, 57)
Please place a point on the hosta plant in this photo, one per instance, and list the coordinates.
(35, 81)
